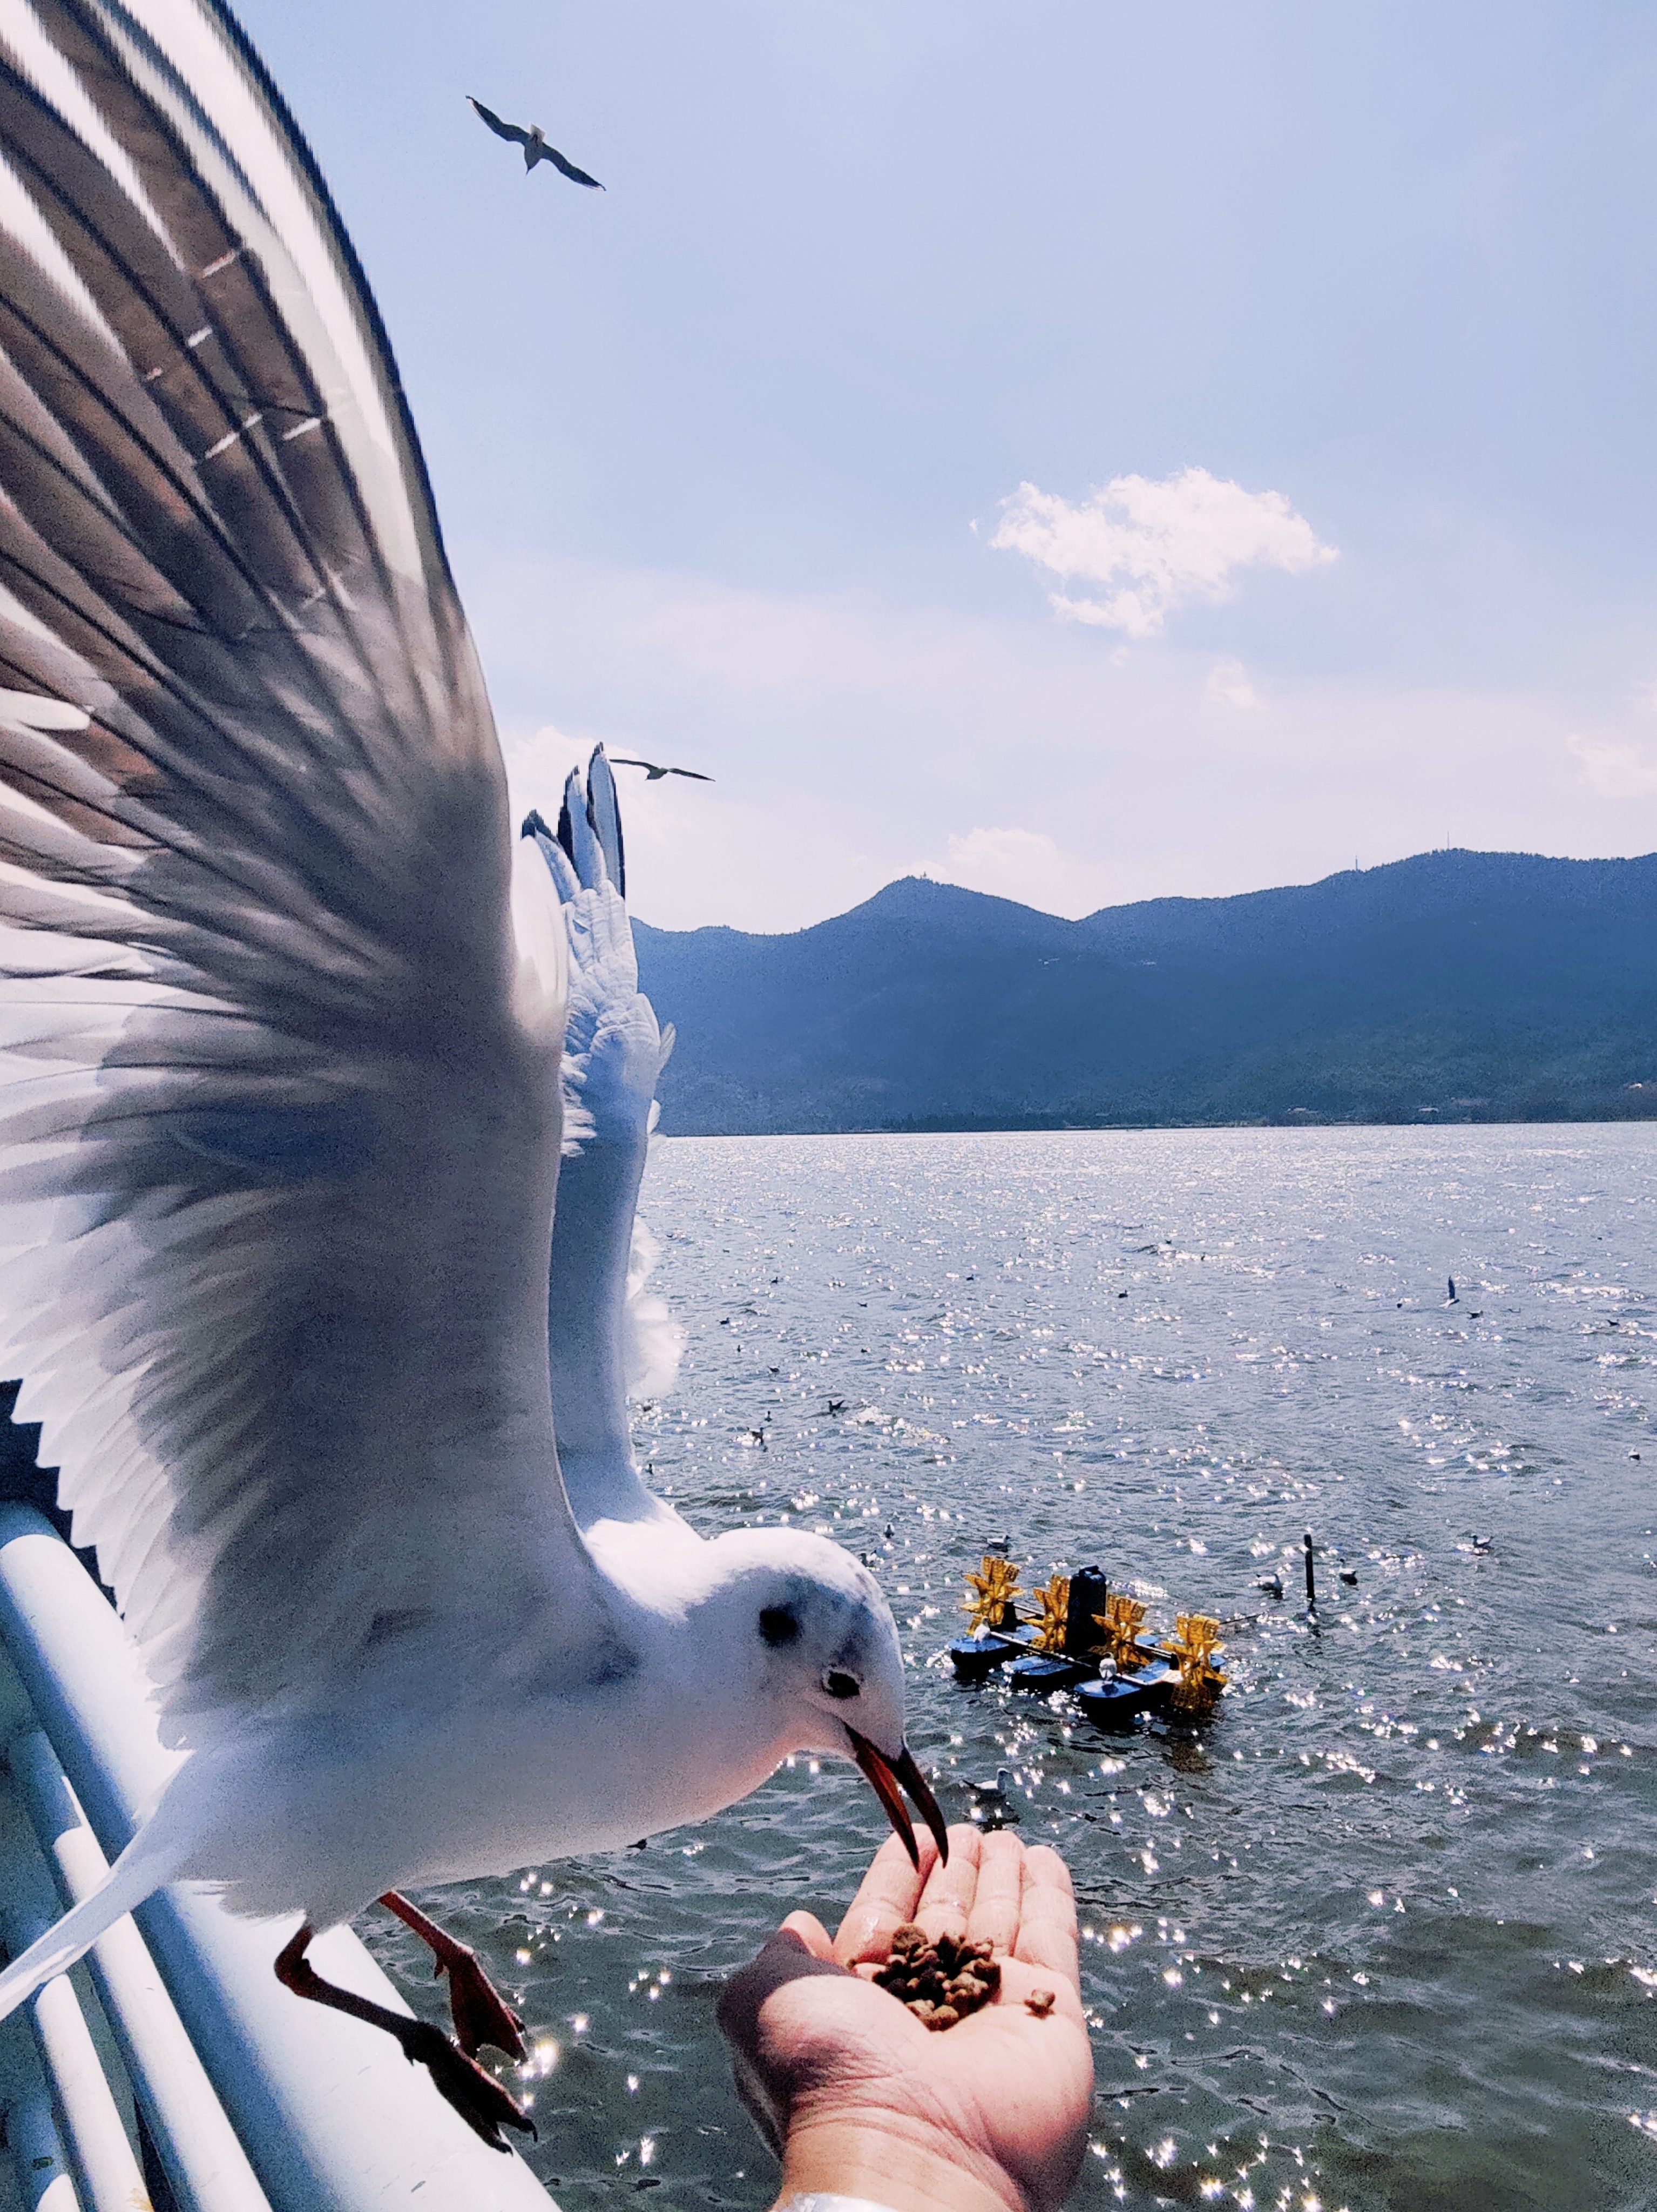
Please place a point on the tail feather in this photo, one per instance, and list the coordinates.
(137, 1875)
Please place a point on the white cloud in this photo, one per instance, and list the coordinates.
(1150, 545)
(1026, 864)
(1613, 770)
(1228, 685)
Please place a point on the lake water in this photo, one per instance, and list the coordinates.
(1382, 1935)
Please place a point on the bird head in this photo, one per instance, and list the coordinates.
(829, 1669)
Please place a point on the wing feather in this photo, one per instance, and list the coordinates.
(281, 1018)
(610, 1337)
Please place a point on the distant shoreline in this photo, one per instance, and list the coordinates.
(1034, 1129)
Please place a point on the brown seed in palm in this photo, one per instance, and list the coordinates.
(943, 2016)
(1041, 2003)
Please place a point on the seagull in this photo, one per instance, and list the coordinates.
(654, 775)
(991, 1803)
(1451, 1300)
(283, 1010)
(534, 143)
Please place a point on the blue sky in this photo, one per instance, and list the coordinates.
(723, 453)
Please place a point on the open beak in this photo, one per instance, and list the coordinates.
(885, 1774)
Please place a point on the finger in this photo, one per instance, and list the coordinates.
(947, 1900)
(889, 1896)
(786, 1958)
(999, 1896)
(810, 1931)
(1047, 1915)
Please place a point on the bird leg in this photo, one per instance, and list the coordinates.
(479, 2012)
(477, 2096)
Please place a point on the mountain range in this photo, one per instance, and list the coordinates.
(1454, 986)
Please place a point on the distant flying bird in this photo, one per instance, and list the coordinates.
(655, 774)
(534, 143)
(1451, 1300)
(278, 1260)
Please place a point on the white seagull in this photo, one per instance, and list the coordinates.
(280, 1016)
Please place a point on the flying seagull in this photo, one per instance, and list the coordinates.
(654, 775)
(281, 1123)
(534, 143)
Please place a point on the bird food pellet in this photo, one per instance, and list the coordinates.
(941, 1982)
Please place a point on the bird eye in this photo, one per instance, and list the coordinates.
(779, 1624)
(841, 1686)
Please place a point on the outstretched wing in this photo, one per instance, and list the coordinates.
(515, 131)
(610, 1337)
(278, 1130)
(694, 774)
(568, 168)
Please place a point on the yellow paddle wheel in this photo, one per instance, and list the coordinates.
(990, 1592)
(1054, 1600)
(1120, 1621)
(1196, 1642)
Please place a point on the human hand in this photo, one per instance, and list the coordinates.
(858, 2099)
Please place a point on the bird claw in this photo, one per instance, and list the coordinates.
(481, 2015)
(477, 2097)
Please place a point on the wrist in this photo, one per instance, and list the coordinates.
(893, 2163)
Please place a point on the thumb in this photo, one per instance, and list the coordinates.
(812, 1932)
(798, 1949)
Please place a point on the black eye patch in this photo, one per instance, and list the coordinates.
(841, 1686)
(779, 1624)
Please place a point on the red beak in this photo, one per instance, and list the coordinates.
(885, 1774)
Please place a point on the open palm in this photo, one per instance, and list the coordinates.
(857, 2098)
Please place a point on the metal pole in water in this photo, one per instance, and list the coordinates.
(1311, 1586)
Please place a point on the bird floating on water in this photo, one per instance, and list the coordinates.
(654, 772)
(289, 1024)
(534, 143)
(991, 1803)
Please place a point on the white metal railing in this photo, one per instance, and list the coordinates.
(254, 2102)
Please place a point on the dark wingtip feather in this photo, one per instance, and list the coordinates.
(535, 824)
(604, 813)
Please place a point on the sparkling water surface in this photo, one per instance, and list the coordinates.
(1381, 1934)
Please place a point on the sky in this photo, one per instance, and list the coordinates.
(1084, 451)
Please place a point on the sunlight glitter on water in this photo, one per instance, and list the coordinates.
(1325, 1930)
